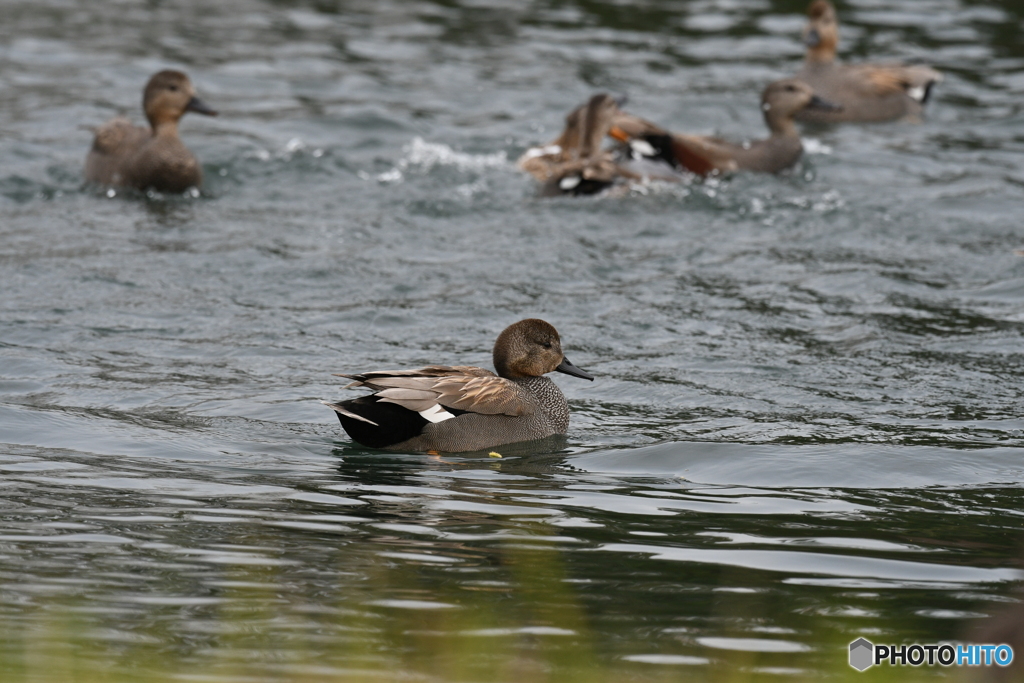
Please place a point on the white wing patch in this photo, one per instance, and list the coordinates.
(569, 182)
(436, 413)
(917, 93)
(641, 148)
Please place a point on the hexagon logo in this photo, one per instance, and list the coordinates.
(862, 654)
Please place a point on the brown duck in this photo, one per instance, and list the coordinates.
(154, 157)
(780, 102)
(575, 162)
(866, 92)
(462, 408)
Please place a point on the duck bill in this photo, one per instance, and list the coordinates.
(570, 369)
(821, 104)
(200, 107)
(812, 38)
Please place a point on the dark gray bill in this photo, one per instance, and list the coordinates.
(821, 104)
(570, 369)
(812, 38)
(200, 107)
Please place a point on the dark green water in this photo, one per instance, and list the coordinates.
(807, 420)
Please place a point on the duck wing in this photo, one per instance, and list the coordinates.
(113, 147)
(643, 140)
(695, 153)
(116, 134)
(543, 162)
(703, 155)
(575, 162)
(460, 387)
(915, 80)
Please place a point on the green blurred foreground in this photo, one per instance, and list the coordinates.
(248, 628)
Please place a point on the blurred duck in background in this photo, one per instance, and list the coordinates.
(781, 102)
(124, 155)
(866, 92)
(576, 163)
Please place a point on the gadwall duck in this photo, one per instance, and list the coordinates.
(866, 92)
(462, 408)
(575, 163)
(154, 157)
(780, 103)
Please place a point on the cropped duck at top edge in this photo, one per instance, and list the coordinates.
(781, 102)
(463, 408)
(125, 155)
(866, 92)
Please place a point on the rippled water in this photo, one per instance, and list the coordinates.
(807, 419)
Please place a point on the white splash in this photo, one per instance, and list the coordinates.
(392, 176)
(428, 154)
(472, 189)
(535, 152)
(829, 201)
(815, 146)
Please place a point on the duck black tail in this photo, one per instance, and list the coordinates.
(929, 86)
(663, 151)
(392, 423)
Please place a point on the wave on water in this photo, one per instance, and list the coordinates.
(854, 466)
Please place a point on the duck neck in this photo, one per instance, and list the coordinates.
(551, 399)
(781, 127)
(821, 54)
(165, 128)
(503, 358)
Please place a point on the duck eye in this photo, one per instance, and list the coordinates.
(172, 88)
(546, 345)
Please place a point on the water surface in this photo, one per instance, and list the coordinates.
(806, 424)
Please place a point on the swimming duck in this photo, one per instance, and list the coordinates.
(463, 408)
(575, 162)
(780, 102)
(154, 157)
(866, 92)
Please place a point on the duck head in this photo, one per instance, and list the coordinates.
(531, 348)
(783, 100)
(821, 35)
(168, 95)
